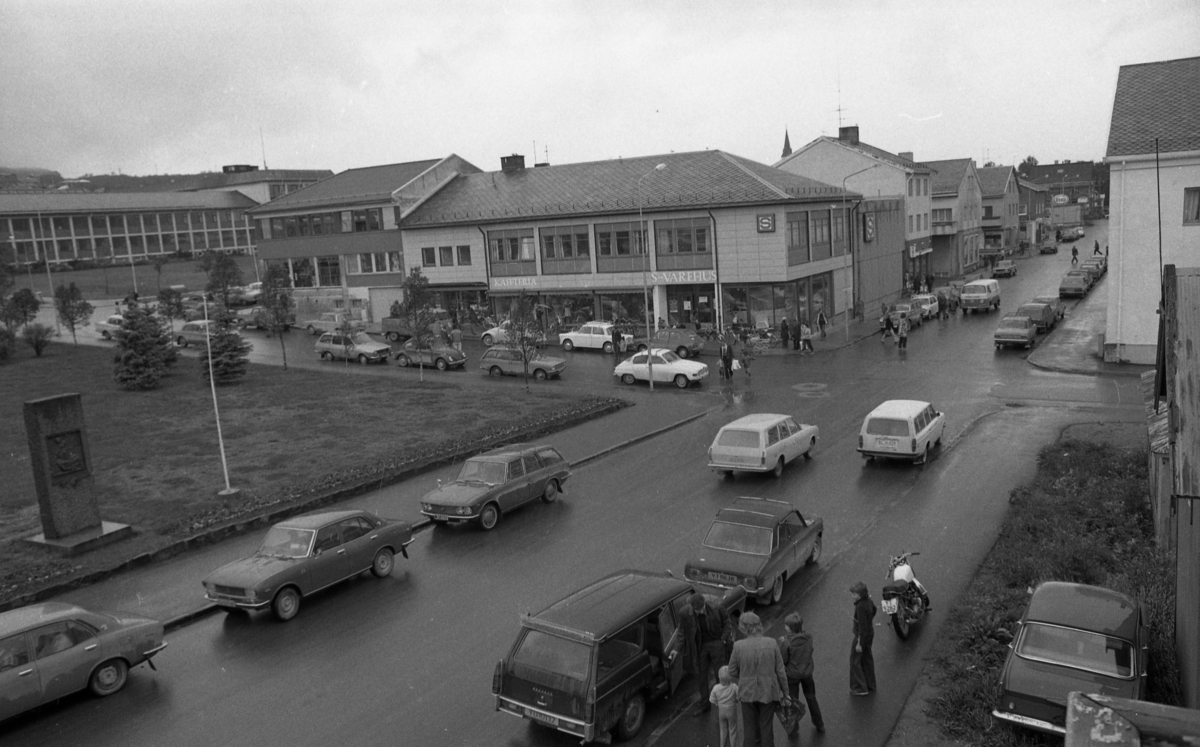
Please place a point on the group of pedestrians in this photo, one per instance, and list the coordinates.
(755, 675)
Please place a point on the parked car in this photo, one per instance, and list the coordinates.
(981, 295)
(1042, 315)
(928, 304)
(1088, 277)
(502, 360)
(50, 650)
(1015, 330)
(492, 484)
(1093, 268)
(1055, 303)
(910, 311)
(685, 343)
(305, 554)
(1073, 285)
(439, 355)
(1071, 637)
(761, 443)
(593, 335)
(246, 295)
(396, 328)
(757, 544)
(901, 429)
(110, 325)
(196, 332)
(1048, 247)
(260, 318)
(951, 294)
(500, 335)
(330, 321)
(667, 367)
(588, 664)
(1005, 268)
(357, 346)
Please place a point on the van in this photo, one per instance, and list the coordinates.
(980, 295)
(588, 664)
(901, 429)
(761, 443)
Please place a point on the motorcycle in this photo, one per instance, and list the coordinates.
(904, 600)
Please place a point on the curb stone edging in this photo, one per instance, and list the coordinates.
(278, 512)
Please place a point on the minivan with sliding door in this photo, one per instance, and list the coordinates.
(901, 429)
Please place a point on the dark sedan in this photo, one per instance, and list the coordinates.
(757, 544)
(303, 555)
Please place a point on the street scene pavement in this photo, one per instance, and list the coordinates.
(408, 659)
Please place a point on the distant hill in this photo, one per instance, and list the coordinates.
(156, 183)
(12, 177)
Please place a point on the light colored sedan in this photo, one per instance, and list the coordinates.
(50, 650)
(500, 334)
(666, 365)
(354, 347)
(109, 326)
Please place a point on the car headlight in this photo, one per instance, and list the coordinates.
(426, 507)
(750, 582)
(463, 510)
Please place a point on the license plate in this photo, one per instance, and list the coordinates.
(542, 717)
(727, 578)
(887, 443)
(890, 606)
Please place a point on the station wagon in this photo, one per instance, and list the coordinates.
(497, 482)
(761, 443)
(901, 429)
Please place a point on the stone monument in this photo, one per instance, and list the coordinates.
(62, 475)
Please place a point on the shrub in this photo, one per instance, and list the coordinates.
(37, 336)
(144, 350)
(230, 357)
(8, 343)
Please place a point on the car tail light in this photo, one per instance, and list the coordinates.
(860, 441)
(914, 446)
(497, 677)
(589, 707)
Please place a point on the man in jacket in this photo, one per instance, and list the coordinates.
(862, 663)
(616, 342)
(712, 633)
(757, 667)
(796, 646)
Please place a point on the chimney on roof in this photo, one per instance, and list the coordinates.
(509, 164)
(541, 165)
(238, 168)
(907, 155)
(848, 134)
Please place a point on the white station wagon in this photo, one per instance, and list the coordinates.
(901, 429)
(761, 443)
(597, 335)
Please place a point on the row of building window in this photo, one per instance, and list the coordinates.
(443, 256)
(815, 235)
(1191, 206)
(918, 187)
(326, 224)
(91, 226)
(282, 188)
(921, 222)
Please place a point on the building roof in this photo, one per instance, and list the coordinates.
(1032, 185)
(368, 184)
(274, 175)
(947, 175)
(864, 148)
(689, 180)
(994, 179)
(1068, 172)
(1156, 100)
(121, 202)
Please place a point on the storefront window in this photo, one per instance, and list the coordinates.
(822, 295)
(303, 273)
(690, 305)
(329, 271)
(628, 307)
(802, 297)
(735, 301)
(569, 311)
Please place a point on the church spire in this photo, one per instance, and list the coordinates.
(787, 144)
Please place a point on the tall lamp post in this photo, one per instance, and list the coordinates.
(854, 254)
(645, 287)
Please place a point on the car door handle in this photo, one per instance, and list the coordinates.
(89, 648)
(342, 551)
(26, 672)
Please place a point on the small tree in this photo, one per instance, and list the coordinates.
(276, 302)
(73, 311)
(1027, 164)
(230, 356)
(417, 314)
(158, 263)
(37, 336)
(7, 280)
(524, 332)
(8, 343)
(144, 349)
(223, 274)
(170, 306)
(21, 308)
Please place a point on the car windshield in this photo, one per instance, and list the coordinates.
(544, 654)
(669, 357)
(974, 290)
(887, 427)
(1019, 322)
(361, 338)
(491, 473)
(284, 542)
(1080, 649)
(739, 538)
(738, 438)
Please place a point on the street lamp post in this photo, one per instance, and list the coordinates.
(645, 287)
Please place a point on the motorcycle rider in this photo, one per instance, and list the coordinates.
(902, 571)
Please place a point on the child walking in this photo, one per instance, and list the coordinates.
(725, 697)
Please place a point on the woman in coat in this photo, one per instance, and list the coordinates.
(757, 667)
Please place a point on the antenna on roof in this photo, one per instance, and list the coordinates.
(263, 144)
(839, 109)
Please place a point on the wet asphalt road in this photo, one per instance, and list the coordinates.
(408, 660)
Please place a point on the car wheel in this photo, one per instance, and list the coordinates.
(487, 340)
(811, 445)
(633, 715)
(778, 471)
(495, 371)
(392, 336)
(286, 604)
(540, 374)
(681, 381)
(682, 351)
(815, 555)
(109, 677)
(924, 459)
(181, 341)
(441, 364)
(402, 360)
(642, 348)
(568, 346)
(550, 494)
(326, 355)
(725, 474)
(627, 378)
(608, 348)
(489, 517)
(312, 330)
(776, 590)
(900, 625)
(362, 359)
(105, 334)
(383, 563)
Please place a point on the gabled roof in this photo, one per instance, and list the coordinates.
(689, 180)
(993, 180)
(1026, 184)
(868, 150)
(1052, 174)
(1156, 100)
(948, 174)
(353, 186)
(121, 202)
(275, 175)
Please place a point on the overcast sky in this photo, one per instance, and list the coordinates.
(107, 86)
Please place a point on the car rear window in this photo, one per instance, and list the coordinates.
(1079, 649)
(1020, 322)
(739, 538)
(542, 657)
(887, 427)
(738, 439)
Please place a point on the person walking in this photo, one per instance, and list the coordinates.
(456, 338)
(712, 633)
(616, 342)
(943, 306)
(783, 333)
(902, 332)
(1074, 255)
(757, 667)
(822, 321)
(724, 696)
(796, 646)
(862, 662)
(726, 354)
(795, 334)
(806, 345)
(1096, 251)
(888, 329)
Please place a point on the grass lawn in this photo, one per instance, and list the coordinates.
(155, 457)
(1086, 519)
(117, 281)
